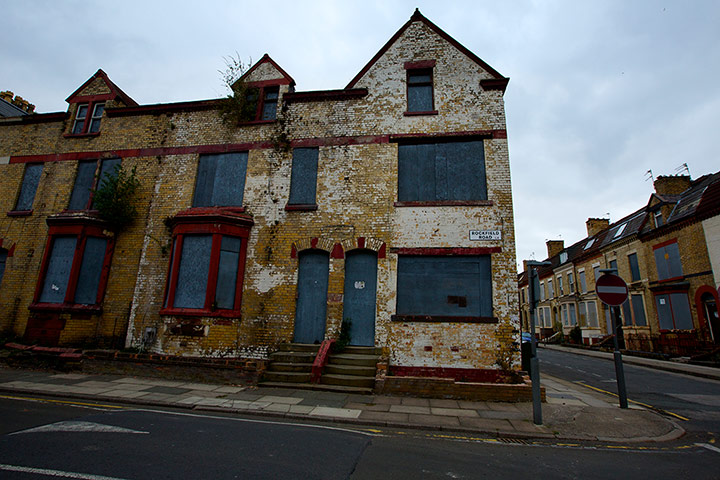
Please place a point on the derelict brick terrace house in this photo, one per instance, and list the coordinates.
(352, 204)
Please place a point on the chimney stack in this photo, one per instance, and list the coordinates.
(7, 96)
(554, 247)
(596, 225)
(672, 184)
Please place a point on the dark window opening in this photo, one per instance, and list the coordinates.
(30, 182)
(90, 174)
(634, 267)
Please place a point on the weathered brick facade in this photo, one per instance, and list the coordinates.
(357, 131)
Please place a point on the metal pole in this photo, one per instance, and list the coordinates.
(535, 373)
(619, 371)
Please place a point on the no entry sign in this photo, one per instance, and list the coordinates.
(611, 289)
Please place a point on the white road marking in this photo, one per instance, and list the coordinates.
(708, 446)
(55, 473)
(73, 426)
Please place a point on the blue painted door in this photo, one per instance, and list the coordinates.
(359, 298)
(312, 290)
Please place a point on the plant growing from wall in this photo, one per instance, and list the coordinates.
(240, 104)
(113, 199)
(344, 337)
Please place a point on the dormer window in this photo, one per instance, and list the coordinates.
(420, 94)
(269, 104)
(261, 104)
(85, 124)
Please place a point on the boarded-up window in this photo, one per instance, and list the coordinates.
(420, 90)
(220, 180)
(667, 261)
(442, 171)
(227, 272)
(85, 180)
(29, 186)
(674, 311)
(638, 310)
(303, 180)
(58, 270)
(193, 272)
(444, 286)
(3, 259)
(86, 291)
(634, 267)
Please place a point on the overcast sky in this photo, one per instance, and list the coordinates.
(600, 92)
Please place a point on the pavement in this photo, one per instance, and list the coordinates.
(570, 413)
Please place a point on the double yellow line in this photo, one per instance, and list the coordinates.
(666, 412)
(62, 402)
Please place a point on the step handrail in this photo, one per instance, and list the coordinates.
(321, 359)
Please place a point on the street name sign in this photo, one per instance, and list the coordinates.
(485, 235)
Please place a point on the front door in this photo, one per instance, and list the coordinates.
(359, 298)
(312, 289)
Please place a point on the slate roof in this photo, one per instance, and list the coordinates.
(7, 109)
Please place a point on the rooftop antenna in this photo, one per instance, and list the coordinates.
(682, 167)
(649, 176)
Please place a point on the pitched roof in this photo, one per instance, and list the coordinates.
(286, 79)
(116, 92)
(7, 109)
(497, 82)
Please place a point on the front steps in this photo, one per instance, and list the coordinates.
(350, 371)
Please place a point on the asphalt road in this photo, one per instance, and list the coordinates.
(694, 398)
(61, 440)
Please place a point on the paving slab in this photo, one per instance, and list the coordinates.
(371, 407)
(199, 386)
(335, 412)
(494, 414)
(70, 376)
(384, 416)
(276, 399)
(415, 402)
(301, 409)
(433, 420)
(486, 424)
(277, 407)
(456, 412)
(444, 403)
(409, 409)
(387, 400)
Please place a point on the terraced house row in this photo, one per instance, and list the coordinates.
(668, 253)
(386, 203)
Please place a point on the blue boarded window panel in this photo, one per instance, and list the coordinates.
(667, 261)
(90, 271)
(634, 267)
(193, 272)
(638, 310)
(29, 186)
(58, 270)
(84, 180)
(227, 272)
(303, 178)
(442, 171)
(221, 180)
(445, 286)
(681, 311)
(108, 169)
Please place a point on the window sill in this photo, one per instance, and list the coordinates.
(442, 319)
(256, 122)
(191, 312)
(412, 114)
(19, 213)
(301, 207)
(446, 203)
(81, 135)
(65, 308)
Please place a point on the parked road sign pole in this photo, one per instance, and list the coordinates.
(533, 285)
(613, 292)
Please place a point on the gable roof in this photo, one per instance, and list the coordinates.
(115, 91)
(286, 79)
(498, 82)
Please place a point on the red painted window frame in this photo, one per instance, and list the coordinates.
(207, 221)
(81, 229)
(262, 89)
(91, 104)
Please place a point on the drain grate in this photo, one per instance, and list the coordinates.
(515, 441)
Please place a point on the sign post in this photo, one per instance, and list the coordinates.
(534, 290)
(613, 292)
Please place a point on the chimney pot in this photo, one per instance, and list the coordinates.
(596, 225)
(672, 184)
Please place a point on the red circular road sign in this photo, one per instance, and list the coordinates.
(611, 289)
